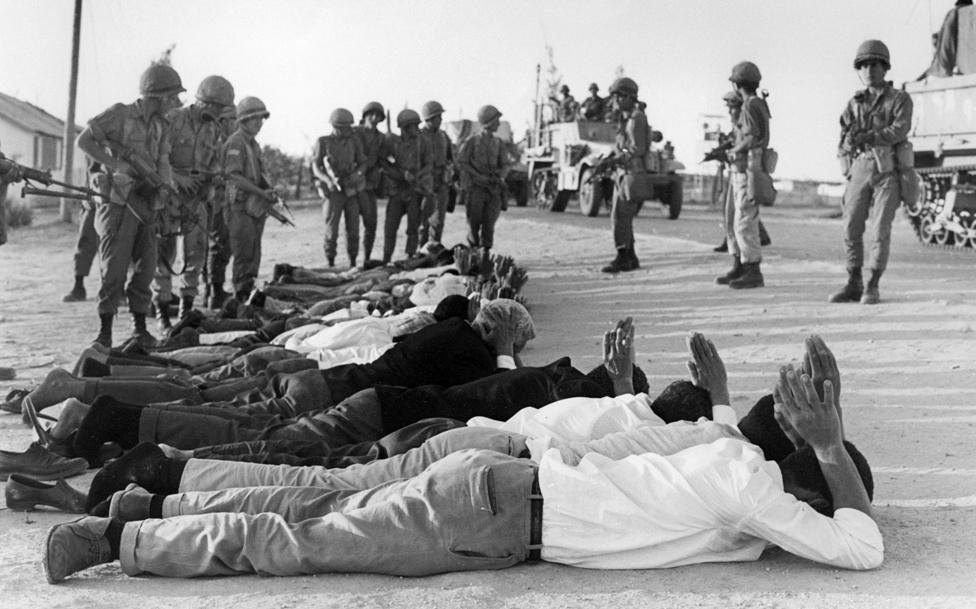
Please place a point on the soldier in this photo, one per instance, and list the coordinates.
(873, 147)
(409, 174)
(750, 180)
(593, 107)
(483, 165)
(249, 195)
(373, 146)
(131, 144)
(219, 255)
(442, 154)
(337, 163)
(86, 248)
(196, 137)
(632, 146)
(9, 174)
(566, 107)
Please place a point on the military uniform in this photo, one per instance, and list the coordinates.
(125, 220)
(633, 142)
(483, 166)
(373, 143)
(409, 178)
(246, 212)
(196, 138)
(748, 174)
(435, 204)
(346, 159)
(219, 255)
(593, 108)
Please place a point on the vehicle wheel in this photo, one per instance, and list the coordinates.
(521, 193)
(590, 194)
(944, 237)
(928, 230)
(561, 200)
(675, 198)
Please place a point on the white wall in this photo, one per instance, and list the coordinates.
(18, 145)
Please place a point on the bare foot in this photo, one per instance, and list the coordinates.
(176, 453)
(58, 385)
(72, 414)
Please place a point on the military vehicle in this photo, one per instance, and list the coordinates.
(944, 138)
(571, 159)
(517, 179)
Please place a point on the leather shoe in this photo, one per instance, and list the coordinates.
(40, 463)
(131, 504)
(74, 546)
(24, 494)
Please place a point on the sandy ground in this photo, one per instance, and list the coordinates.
(909, 383)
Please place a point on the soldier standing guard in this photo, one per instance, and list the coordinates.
(632, 145)
(483, 165)
(249, 195)
(408, 173)
(373, 146)
(873, 148)
(593, 107)
(337, 163)
(219, 242)
(131, 144)
(196, 137)
(442, 154)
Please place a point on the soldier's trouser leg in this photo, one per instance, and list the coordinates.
(351, 212)
(219, 248)
(332, 208)
(123, 240)
(367, 210)
(413, 211)
(427, 206)
(438, 213)
(622, 214)
(396, 206)
(490, 213)
(3, 214)
(86, 247)
(474, 210)
(194, 254)
(162, 284)
(746, 219)
(245, 246)
(730, 218)
(869, 197)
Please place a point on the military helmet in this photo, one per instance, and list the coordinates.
(341, 117)
(374, 106)
(488, 113)
(564, 89)
(249, 107)
(732, 99)
(745, 72)
(624, 85)
(594, 87)
(407, 117)
(430, 110)
(160, 80)
(872, 50)
(216, 90)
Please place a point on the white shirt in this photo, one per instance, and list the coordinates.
(714, 502)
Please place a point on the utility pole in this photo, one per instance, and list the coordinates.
(69, 123)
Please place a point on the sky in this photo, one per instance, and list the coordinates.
(305, 58)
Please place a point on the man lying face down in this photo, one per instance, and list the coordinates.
(480, 509)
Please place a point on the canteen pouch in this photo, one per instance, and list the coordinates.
(760, 188)
(905, 155)
(770, 159)
(910, 184)
(884, 158)
(845, 163)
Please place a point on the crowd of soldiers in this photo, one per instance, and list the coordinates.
(594, 108)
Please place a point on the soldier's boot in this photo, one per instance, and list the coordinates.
(77, 293)
(764, 238)
(734, 273)
(871, 295)
(104, 337)
(632, 256)
(162, 316)
(722, 247)
(186, 305)
(852, 291)
(619, 263)
(331, 261)
(217, 297)
(140, 334)
(751, 277)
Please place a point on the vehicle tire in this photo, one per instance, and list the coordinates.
(676, 195)
(561, 200)
(590, 194)
(929, 230)
(520, 190)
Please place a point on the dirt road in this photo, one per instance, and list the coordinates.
(909, 394)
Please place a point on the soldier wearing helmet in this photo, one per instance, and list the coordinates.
(751, 184)
(373, 146)
(873, 149)
(196, 137)
(483, 165)
(408, 179)
(131, 144)
(593, 107)
(632, 146)
(219, 251)
(947, 58)
(442, 161)
(337, 164)
(565, 107)
(249, 195)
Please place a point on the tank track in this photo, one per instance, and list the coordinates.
(936, 182)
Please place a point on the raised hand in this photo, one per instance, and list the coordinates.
(618, 355)
(819, 364)
(707, 368)
(813, 419)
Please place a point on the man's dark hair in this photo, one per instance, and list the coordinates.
(804, 470)
(600, 376)
(761, 428)
(682, 401)
(454, 305)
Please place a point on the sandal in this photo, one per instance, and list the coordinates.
(12, 403)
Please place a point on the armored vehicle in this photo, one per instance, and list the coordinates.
(571, 159)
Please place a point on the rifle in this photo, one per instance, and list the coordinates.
(718, 152)
(29, 175)
(604, 166)
(142, 166)
(275, 203)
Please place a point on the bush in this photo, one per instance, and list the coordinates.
(18, 214)
(283, 171)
